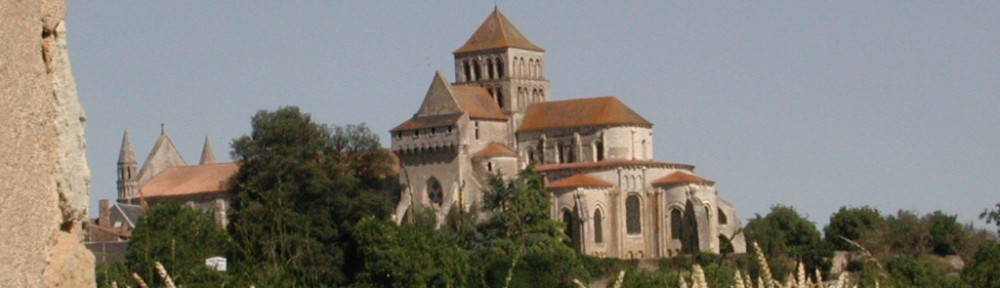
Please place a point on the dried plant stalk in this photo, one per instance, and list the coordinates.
(166, 277)
(139, 280)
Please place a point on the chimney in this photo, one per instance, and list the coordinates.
(105, 217)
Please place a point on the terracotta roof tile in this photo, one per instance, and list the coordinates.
(587, 112)
(497, 32)
(495, 150)
(610, 164)
(428, 122)
(190, 180)
(579, 180)
(478, 103)
(680, 178)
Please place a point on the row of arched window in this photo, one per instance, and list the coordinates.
(527, 96)
(683, 225)
(488, 68)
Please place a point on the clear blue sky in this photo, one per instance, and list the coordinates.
(816, 105)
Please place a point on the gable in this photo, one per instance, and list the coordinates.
(439, 98)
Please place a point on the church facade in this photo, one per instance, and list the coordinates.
(595, 154)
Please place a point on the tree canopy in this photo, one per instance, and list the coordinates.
(300, 190)
(851, 223)
(784, 234)
(180, 238)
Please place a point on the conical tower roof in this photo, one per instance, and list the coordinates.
(127, 154)
(497, 32)
(207, 156)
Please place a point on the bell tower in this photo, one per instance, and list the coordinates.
(502, 60)
(128, 179)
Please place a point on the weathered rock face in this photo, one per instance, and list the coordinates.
(44, 179)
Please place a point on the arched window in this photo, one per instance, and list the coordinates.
(478, 70)
(632, 215)
(489, 68)
(434, 191)
(675, 223)
(499, 67)
(468, 71)
(598, 227)
(599, 150)
(499, 95)
(722, 218)
(572, 228)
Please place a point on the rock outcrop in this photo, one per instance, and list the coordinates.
(44, 179)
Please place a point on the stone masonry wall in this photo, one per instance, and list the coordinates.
(44, 179)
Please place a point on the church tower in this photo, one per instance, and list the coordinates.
(502, 60)
(128, 179)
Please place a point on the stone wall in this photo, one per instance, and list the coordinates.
(44, 179)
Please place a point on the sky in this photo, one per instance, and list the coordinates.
(809, 104)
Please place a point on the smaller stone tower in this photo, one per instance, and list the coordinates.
(128, 179)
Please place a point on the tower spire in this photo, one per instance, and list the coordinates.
(127, 165)
(207, 156)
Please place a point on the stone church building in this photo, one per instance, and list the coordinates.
(596, 155)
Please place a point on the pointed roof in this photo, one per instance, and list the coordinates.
(183, 181)
(497, 32)
(439, 98)
(207, 156)
(680, 178)
(579, 180)
(586, 112)
(444, 104)
(164, 155)
(495, 150)
(127, 154)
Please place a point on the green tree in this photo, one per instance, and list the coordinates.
(945, 235)
(992, 216)
(180, 238)
(300, 190)
(785, 235)
(984, 266)
(411, 255)
(523, 246)
(851, 223)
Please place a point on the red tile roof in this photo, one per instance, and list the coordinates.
(428, 122)
(495, 150)
(579, 180)
(587, 112)
(610, 164)
(680, 178)
(497, 32)
(190, 180)
(478, 103)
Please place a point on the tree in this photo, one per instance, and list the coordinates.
(992, 216)
(851, 223)
(784, 234)
(411, 255)
(180, 238)
(299, 192)
(523, 246)
(983, 267)
(945, 234)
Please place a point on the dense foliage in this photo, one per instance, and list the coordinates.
(851, 223)
(786, 236)
(301, 189)
(180, 238)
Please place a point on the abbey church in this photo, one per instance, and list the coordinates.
(595, 154)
